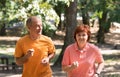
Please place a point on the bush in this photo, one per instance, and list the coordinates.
(48, 29)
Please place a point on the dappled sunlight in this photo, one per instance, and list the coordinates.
(8, 50)
(112, 65)
(9, 38)
(112, 38)
(10, 75)
(110, 51)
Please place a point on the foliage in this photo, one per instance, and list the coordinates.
(109, 6)
(106, 11)
(22, 9)
(65, 1)
(49, 29)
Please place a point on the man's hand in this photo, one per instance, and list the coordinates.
(23, 59)
(45, 60)
(30, 52)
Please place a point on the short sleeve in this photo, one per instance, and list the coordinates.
(51, 47)
(18, 49)
(99, 56)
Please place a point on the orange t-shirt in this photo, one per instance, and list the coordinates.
(42, 47)
(86, 58)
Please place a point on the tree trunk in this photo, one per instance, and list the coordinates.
(102, 26)
(59, 10)
(85, 16)
(71, 23)
(60, 23)
(3, 31)
(100, 35)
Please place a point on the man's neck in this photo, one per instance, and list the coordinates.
(34, 37)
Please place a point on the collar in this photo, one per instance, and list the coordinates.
(83, 50)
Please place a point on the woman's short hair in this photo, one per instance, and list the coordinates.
(82, 28)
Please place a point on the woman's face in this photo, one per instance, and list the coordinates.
(81, 37)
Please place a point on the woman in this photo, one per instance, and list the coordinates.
(82, 59)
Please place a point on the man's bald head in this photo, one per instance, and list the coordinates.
(32, 19)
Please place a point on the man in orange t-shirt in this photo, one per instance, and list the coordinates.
(34, 51)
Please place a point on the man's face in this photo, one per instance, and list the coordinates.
(36, 27)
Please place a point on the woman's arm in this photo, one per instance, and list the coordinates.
(99, 69)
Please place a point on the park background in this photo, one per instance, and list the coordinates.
(60, 17)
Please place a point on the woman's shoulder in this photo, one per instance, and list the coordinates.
(93, 46)
(71, 46)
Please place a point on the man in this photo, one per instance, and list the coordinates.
(34, 50)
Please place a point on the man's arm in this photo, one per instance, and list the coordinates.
(47, 59)
(50, 56)
(23, 59)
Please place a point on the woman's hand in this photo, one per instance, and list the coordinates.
(68, 68)
(75, 64)
(96, 75)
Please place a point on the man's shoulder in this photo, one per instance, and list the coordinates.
(23, 38)
(45, 37)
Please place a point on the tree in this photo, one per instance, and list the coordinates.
(60, 9)
(102, 22)
(84, 9)
(107, 12)
(2, 28)
(71, 22)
